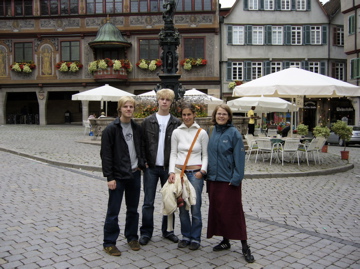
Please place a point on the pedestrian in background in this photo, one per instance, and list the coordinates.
(122, 159)
(225, 173)
(157, 131)
(251, 124)
(195, 171)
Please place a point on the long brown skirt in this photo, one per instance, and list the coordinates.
(226, 215)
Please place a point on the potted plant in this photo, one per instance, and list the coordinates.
(322, 131)
(302, 129)
(344, 132)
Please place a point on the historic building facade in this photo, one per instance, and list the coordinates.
(48, 51)
(259, 37)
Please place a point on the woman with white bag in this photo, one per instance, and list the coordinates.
(195, 170)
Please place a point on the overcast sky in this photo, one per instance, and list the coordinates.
(229, 3)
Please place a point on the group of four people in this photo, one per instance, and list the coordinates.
(158, 147)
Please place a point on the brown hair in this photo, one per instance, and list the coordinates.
(122, 101)
(226, 108)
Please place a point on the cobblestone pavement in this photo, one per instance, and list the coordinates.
(52, 214)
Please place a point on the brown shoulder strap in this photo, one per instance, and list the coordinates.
(188, 155)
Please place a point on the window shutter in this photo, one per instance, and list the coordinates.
(308, 5)
(230, 36)
(306, 34)
(247, 71)
(267, 67)
(305, 65)
(248, 35)
(246, 5)
(277, 5)
(229, 70)
(335, 36)
(323, 68)
(286, 64)
(268, 40)
(324, 34)
(261, 6)
(287, 35)
(293, 4)
(333, 70)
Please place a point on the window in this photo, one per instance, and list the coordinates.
(315, 35)
(285, 4)
(253, 4)
(238, 35)
(276, 66)
(269, 4)
(258, 35)
(338, 36)
(339, 71)
(300, 4)
(149, 49)
(256, 70)
(295, 64)
(351, 24)
(191, 5)
(194, 48)
(23, 52)
(17, 8)
(237, 71)
(296, 35)
(59, 7)
(70, 51)
(104, 6)
(314, 67)
(277, 35)
(355, 68)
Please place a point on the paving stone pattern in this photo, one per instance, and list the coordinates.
(52, 213)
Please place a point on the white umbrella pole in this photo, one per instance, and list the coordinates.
(292, 117)
(106, 108)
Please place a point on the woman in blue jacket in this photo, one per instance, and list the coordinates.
(225, 172)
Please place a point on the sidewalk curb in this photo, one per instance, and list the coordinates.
(329, 171)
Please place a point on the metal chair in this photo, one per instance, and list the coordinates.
(321, 143)
(265, 146)
(291, 147)
(309, 149)
(272, 132)
(252, 145)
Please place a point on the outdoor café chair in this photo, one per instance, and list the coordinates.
(309, 149)
(290, 147)
(265, 146)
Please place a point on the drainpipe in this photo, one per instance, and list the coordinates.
(221, 22)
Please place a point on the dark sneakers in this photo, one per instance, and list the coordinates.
(144, 240)
(222, 246)
(247, 255)
(194, 246)
(112, 250)
(172, 237)
(183, 244)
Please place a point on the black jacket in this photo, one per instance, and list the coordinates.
(150, 128)
(114, 153)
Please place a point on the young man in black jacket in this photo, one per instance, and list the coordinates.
(122, 159)
(157, 130)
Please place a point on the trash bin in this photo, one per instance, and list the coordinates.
(67, 116)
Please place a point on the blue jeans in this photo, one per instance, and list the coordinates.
(151, 178)
(191, 229)
(132, 196)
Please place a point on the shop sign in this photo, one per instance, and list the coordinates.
(310, 105)
(299, 101)
(344, 109)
